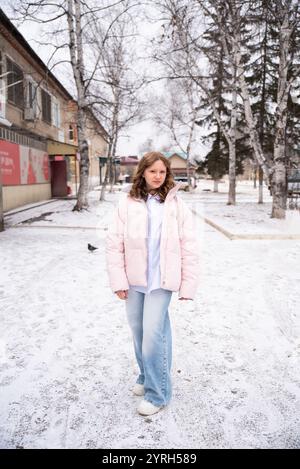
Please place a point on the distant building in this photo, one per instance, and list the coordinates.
(127, 167)
(179, 164)
(178, 160)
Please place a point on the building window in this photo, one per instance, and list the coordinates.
(15, 92)
(56, 113)
(46, 106)
(71, 133)
(31, 95)
(30, 99)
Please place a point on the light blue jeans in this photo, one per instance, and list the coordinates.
(148, 318)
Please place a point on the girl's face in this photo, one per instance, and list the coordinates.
(155, 175)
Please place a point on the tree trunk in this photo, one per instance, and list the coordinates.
(111, 174)
(82, 196)
(107, 171)
(188, 148)
(216, 185)
(279, 190)
(76, 53)
(262, 112)
(276, 175)
(188, 172)
(232, 176)
(232, 145)
(114, 138)
(254, 176)
(260, 186)
(279, 170)
(113, 164)
(105, 180)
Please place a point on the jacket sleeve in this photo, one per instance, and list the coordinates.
(115, 250)
(189, 252)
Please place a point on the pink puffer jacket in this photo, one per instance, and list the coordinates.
(126, 246)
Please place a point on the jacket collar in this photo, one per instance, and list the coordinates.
(171, 194)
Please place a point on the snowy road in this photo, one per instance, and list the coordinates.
(66, 358)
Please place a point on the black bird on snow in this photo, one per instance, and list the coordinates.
(91, 248)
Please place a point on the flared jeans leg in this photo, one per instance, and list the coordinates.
(149, 321)
(135, 312)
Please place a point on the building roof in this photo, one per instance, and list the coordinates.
(181, 154)
(5, 23)
(127, 160)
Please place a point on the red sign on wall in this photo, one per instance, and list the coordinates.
(9, 163)
(22, 165)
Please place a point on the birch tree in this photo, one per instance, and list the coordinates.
(71, 19)
(184, 94)
(230, 33)
(231, 133)
(187, 50)
(119, 81)
(74, 19)
(288, 15)
(231, 16)
(175, 112)
(279, 176)
(261, 77)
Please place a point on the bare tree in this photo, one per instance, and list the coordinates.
(119, 81)
(176, 112)
(147, 145)
(184, 60)
(76, 53)
(229, 128)
(290, 20)
(71, 20)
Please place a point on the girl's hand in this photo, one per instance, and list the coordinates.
(122, 294)
(182, 298)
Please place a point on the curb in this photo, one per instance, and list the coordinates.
(62, 227)
(262, 236)
(9, 213)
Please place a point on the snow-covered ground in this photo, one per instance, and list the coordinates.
(66, 358)
(247, 217)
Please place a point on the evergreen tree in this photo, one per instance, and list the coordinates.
(262, 81)
(216, 161)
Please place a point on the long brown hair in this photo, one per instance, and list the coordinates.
(139, 187)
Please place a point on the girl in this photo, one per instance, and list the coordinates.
(151, 252)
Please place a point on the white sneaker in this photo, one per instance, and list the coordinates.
(146, 408)
(138, 389)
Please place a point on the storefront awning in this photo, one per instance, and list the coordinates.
(58, 148)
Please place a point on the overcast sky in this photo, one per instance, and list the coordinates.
(128, 144)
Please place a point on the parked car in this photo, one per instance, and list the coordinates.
(184, 182)
(293, 183)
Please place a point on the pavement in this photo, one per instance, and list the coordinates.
(246, 220)
(66, 358)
